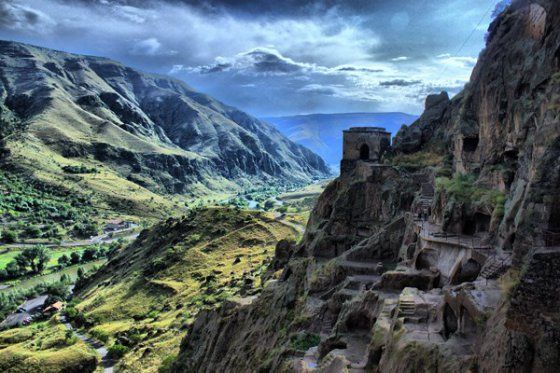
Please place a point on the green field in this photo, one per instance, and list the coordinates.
(7, 255)
(71, 272)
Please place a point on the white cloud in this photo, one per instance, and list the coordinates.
(149, 47)
(462, 62)
(401, 58)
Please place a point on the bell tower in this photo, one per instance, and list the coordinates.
(363, 144)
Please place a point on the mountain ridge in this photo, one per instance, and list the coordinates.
(152, 130)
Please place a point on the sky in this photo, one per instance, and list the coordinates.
(273, 58)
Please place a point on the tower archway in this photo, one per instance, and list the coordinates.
(364, 152)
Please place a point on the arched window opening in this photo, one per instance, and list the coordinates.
(364, 152)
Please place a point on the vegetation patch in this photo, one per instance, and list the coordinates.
(150, 291)
(463, 189)
(45, 347)
(418, 160)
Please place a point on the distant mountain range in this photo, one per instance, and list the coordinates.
(149, 130)
(322, 133)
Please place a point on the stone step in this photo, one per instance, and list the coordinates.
(494, 269)
(406, 307)
(349, 293)
(358, 282)
(360, 268)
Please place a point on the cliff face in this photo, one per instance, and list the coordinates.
(416, 269)
(153, 130)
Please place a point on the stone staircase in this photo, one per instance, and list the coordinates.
(407, 307)
(328, 323)
(495, 267)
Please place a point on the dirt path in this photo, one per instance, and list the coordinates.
(107, 363)
(281, 219)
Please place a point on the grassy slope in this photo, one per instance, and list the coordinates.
(157, 285)
(43, 347)
(109, 190)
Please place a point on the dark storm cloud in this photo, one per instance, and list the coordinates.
(16, 16)
(273, 58)
(399, 83)
(265, 62)
(358, 69)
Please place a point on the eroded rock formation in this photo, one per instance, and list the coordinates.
(406, 270)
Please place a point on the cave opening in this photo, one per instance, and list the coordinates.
(470, 144)
(468, 272)
(364, 152)
(482, 222)
(357, 321)
(449, 322)
(469, 227)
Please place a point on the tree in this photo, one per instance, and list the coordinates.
(268, 204)
(89, 254)
(64, 260)
(42, 259)
(13, 270)
(36, 258)
(80, 273)
(75, 257)
(33, 231)
(9, 236)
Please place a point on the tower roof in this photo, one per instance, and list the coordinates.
(367, 129)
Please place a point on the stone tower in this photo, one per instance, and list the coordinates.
(363, 144)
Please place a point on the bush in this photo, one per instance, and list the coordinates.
(117, 351)
(10, 236)
(462, 188)
(79, 169)
(167, 364)
(86, 229)
(304, 341)
(101, 335)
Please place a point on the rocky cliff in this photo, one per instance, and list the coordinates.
(452, 268)
(152, 130)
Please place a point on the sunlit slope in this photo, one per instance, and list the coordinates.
(146, 296)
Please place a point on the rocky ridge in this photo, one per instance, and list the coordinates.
(413, 269)
(152, 130)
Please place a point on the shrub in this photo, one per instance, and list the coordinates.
(10, 236)
(117, 351)
(101, 335)
(81, 169)
(167, 364)
(304, 341)
(462, 188)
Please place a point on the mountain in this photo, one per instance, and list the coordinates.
(415, 265)
(143, 130)
(322, 133)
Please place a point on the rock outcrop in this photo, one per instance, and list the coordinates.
(417, 271)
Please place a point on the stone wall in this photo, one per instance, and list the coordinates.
(365, 143)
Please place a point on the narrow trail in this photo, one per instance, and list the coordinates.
(281, 219)
(106, 363)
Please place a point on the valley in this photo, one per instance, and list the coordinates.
(148, 227)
